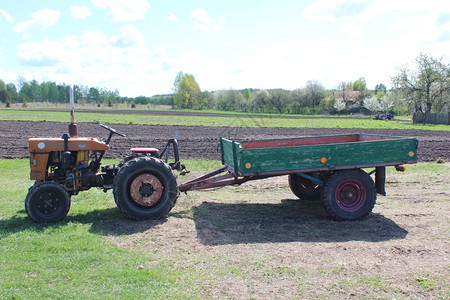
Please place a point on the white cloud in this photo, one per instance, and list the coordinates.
(172, 17)
(129, 36)
(94, 58)
(5, 16)
(124, 10)
(352, 17)
(40, 20)
(42, 53)
(351, 30)
(7, 76)
(204, 22)
(79, 12)
(200, 15)
(321, 10)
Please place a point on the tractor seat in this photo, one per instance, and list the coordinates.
(144, 150)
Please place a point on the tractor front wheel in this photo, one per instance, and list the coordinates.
(349, 195)
(145, 188)
(47, 201)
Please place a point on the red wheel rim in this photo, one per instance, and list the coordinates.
(350, 195)
(146, 190)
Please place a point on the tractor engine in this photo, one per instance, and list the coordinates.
(67, 161)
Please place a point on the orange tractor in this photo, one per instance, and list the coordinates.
(144, 185)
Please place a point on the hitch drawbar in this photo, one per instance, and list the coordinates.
(176, 165)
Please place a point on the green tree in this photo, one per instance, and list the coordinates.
(141, 100)
(229, 100)
(208, 98)
(4, 96)
(314, 93)
(427, 87)
(260, 101)
(26, 92)
(380, 94)
(105, 95)
(36, 91)
(81, 92)
(296, 101)
(247, 95)
(187, 93)
(360, 85)
(50, 92)
(64, 93)
(93, 95)
(278, 100)
(2, 85)
(11, 88)
(380, 88)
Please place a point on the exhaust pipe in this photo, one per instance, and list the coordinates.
(73, 129)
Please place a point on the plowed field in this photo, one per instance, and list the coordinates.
(196, 141)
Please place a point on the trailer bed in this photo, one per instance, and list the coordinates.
(304, 154)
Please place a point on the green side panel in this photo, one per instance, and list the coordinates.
(391, 150)
(226, 152)
(281, 159)
(236, 147)
(221, 150)
(337, 155)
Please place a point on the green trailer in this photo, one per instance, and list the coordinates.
(333, 169)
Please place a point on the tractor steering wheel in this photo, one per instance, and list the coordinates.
(113, 130)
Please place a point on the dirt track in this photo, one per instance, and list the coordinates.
(195, 141)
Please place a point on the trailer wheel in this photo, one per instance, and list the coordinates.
(349, 195)
(47, 201)
(303, 188)
(145, 188)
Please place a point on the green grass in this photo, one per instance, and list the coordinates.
(72, 258)
(216, 121)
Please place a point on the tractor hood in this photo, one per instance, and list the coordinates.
(45, 145)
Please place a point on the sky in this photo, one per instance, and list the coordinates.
(139, 46)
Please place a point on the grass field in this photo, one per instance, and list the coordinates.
(255, 241)
(204, 120)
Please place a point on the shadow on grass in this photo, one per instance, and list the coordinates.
(289, 221)
(110, 221)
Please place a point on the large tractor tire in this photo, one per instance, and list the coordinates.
(349, 194)
(47, 201)
(145, 188)
(303, 188)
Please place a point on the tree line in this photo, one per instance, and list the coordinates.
(425, 87)
(28, 92)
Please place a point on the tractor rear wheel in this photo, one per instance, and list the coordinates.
(145, 188)
(47, 201)
(349, 195)
(304, 188)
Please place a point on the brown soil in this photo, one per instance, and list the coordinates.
(257, 241)
(197, 141)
